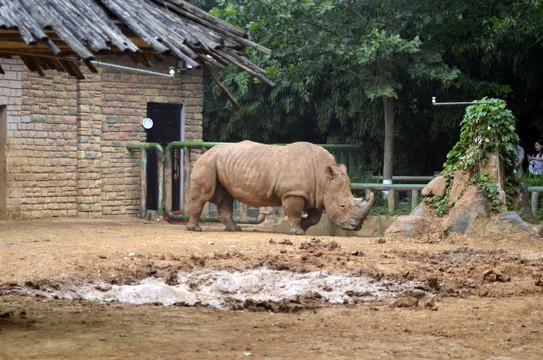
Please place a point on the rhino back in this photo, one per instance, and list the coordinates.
(260, 175)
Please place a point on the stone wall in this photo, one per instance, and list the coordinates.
(63, 142)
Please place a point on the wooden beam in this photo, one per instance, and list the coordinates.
(72, 69)
(45, 14)
(223, 89)
(119, 9)
(90, 66)
(243, 63)
(32, 64)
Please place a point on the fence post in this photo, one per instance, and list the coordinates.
(535, 197)
(391, 200)
(186, 178)
(243, 211)
(414, 198)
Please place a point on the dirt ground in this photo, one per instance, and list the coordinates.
(479, 298)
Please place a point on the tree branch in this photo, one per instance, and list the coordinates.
(320, 27)
(352, 9)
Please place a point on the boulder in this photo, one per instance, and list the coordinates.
(409, 225)
(436, 187)
(425, 210)
(470, 214)
(511, 223)
(495, 169)
(461, 180)
(420, 210)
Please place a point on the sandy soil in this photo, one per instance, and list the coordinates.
(480, 298)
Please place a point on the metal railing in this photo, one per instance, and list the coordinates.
(143, 147)
(534, 192)
(414, 189)
(393, 192)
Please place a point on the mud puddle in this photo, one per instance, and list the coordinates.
(253, 289)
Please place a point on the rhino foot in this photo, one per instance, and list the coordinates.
(193, 228)
(296, 230)
(232, 228)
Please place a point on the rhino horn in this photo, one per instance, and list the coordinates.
(365, 205)
(361, 210)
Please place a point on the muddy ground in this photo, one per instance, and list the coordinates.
(474, 298)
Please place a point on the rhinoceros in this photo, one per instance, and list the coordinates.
(299, 177)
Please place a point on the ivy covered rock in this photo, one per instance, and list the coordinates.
(477, 193)
(459, 184)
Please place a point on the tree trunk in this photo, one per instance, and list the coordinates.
(388, 104)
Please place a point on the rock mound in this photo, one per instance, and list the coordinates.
(471, 214)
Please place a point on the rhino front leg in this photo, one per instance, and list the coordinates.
(294, 206)
(225, 209)
(313, 217)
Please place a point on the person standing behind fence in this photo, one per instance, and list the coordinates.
(520, 159)
(536, 160)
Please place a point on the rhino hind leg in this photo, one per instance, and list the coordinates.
(201, 191)
(225, 208)
(294, 206)
(194, 210)
(313, 217)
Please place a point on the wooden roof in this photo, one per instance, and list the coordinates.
(60, 34)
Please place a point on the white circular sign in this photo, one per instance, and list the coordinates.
(147, 123)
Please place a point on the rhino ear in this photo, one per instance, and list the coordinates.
(334, 172)
(328, 172)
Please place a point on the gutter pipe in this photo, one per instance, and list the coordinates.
(457, 103)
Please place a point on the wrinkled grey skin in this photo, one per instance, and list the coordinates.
(299, 177)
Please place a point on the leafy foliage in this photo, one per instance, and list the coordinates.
(442, 204)
(498, 48)
(532, 179)
(483, 182)
(486, 128)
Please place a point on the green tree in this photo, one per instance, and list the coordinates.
(500, 49)
(338, 59)
(510, 49)
(339, 64)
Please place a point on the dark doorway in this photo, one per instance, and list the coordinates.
(168, 126)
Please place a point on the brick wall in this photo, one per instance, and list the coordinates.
(65, 139)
